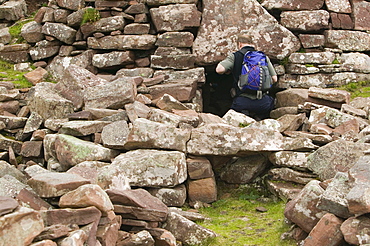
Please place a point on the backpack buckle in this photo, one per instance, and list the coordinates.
(259, 94)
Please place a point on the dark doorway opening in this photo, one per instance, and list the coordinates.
(216, 92)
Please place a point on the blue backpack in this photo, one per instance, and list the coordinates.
(255, 74)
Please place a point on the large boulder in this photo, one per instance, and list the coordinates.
(224, 20)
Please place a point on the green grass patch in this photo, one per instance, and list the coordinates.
(15, 31)
(7, 73)
(357, 89)
(90, 15)
(237, 222)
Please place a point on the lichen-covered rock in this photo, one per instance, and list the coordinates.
(70, 151)
(305, 20)
(20, 227)
(150, 168)
(348, 40)
(60, 31)
(216, 31)
(187, 231)
(150, 134)
(175, 17)
(339, 155)
(302, 209)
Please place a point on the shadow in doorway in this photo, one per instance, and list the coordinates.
(216, 92)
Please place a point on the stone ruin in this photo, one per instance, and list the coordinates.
(129, 132)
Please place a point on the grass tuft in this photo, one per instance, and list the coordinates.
(15, 31)
(90, 15)
(9, 74)
(357, 89)
(237, 222)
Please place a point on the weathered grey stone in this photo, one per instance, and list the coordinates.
(172, 17)
(137, 29)
(290, 159)
(52, 184)
(339, 155)
(312, 40)
(172, 197)
(137, 110)
(197, 74)
(339, 6)
(169, 103)
(294, 68)
(110, 24)
(60, 31)
(149, 134)
(187, 231)
(11, 186)
(85, 196)
(357, 196)
(291, 122)
(6, 143)
(268, 35)
(199, 167)
(237, 119)
(113, 95)
(202, 190)
(20, 227)
(243, 170)
(355, 230)
(74, 83)
(361, 19)
(334, 198)
(31, 32)
(60, 15)
(165, 2)
(302, 209)
(284, 190)
(144, 72)
(60, 64)
(13, 10)
(161, 116)
(329, 94)
(113, 58)
(329, 224)
(123, 42)
(8, 205)
(33, 123)
(333, 117)
(291, 97)
(7, 169)
(232, 140)
(313, 57)
(37, 75)
(172, 58)
(305, 20)
(5, 36)
(347, 40)
(82, 128)
(356, 62)
(138, 213)
(114, 135)
(142, 237)
(289, 175)
(44, 49)
(74, 5)
(13, 122)
(183, 90)
(151, 168)
(43, 100)
(175, 39)
(293, 5)
(71, 151)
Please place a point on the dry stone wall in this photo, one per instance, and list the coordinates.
(124, 122)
